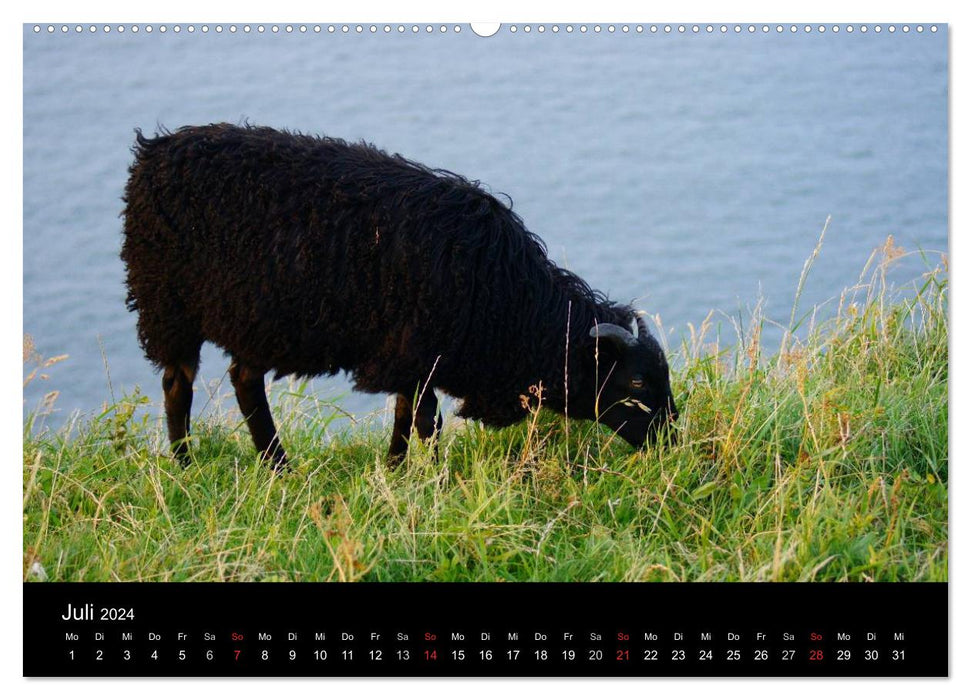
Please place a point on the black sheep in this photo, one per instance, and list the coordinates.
(307, 256)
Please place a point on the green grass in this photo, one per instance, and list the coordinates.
(825, 461)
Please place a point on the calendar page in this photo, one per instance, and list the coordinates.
(522, 349)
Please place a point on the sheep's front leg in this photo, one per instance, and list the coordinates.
(426, 420)
(251, 395)
(403, 420)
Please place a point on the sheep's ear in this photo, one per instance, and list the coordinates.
(620, 337)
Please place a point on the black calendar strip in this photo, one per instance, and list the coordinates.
(297, 629)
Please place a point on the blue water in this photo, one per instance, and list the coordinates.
(688, 172)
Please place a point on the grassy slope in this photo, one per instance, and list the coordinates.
(827, 461)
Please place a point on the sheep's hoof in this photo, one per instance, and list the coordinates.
(181, 456)
(277, 461)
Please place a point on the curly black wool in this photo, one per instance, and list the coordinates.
(305, 255)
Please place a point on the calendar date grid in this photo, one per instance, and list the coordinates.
(330, 650)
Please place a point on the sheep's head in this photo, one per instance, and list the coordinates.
(633, 387)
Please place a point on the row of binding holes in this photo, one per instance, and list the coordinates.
(722, 28)
(444, 29)
(259, 28)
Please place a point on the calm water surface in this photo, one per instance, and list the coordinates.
(688, 173)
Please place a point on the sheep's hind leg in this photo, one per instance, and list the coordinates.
(177, 388)
(251, 395)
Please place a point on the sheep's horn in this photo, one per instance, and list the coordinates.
(640, 325)
(610, 331)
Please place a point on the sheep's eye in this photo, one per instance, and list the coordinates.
(637, 383)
